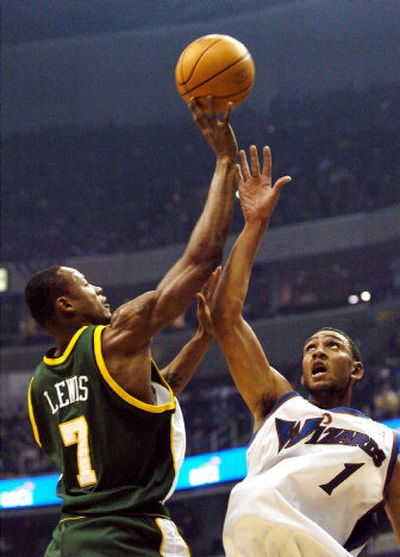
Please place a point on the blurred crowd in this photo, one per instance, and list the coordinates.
(309, 286)
(215, 415)
(117, 189)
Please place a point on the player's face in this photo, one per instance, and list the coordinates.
(328, 364)
(86, 299)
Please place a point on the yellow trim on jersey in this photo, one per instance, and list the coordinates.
(172, 430)
(71, 518)
(162, 379)
(163, 538)
(98, 354)
(171, 442)
(56, 361)
(32, 416)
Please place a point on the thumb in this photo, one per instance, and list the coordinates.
(282, 182)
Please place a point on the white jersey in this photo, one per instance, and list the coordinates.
(315, 478)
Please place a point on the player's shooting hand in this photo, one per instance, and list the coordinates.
(204, 298)
(257, 195)
(218, 133)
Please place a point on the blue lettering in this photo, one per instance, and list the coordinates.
(290, 433)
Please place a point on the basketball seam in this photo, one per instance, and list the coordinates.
(219, 97)
(197, 61)
(218, 73)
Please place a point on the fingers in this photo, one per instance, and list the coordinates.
(205, 296)
(211, 283)
(255, 166)
(228, 112)
(243, 172)
(254, 163)
(197, 113)
(267, 166)
(210, 109)
(243, 165)
(216, 275)
(239, 175)
(203, 109)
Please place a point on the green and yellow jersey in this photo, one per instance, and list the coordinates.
(116, 453)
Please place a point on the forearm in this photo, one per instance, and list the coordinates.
(204, 250)
(212, 229)
(205, 247)
(233, 285)
(180, 371)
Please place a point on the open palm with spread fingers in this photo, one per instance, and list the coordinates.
(258, 196)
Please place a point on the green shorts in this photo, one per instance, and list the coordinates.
(117, 536)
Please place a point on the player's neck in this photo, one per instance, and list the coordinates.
(330, 400)
(62, 337)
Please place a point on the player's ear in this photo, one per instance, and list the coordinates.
(63, 305)
(358, 371)
(302, 379)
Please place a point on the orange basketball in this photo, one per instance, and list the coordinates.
(216, 65)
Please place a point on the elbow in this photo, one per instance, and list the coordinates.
(206, 259)
(207, 255)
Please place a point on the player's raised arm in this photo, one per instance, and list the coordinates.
(259, 384)
(134, 324)
(179, 372)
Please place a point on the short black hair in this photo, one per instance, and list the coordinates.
(42, 290)
(355, 351)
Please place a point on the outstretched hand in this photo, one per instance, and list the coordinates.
(218, 133)
(258, 196)
(204, 299)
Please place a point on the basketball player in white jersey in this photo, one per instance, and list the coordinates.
(317, 470)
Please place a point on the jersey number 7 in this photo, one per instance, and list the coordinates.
(76, 432)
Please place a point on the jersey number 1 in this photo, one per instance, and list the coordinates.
(76, 432)
(349, 469)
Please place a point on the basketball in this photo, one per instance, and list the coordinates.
(216, 65)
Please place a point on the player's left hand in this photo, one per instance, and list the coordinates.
(204, 298)
(257, 195)
(218, 133)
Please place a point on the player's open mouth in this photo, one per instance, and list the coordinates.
(318, 369)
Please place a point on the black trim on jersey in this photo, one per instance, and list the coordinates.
(363, 529)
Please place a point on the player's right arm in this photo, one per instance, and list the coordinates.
(135, 323)
(259, 384)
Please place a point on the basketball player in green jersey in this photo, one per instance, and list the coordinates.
(98, 404)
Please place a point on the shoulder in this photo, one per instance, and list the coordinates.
(290, 405)
(130, 324)
(290, 399)
(139, 307)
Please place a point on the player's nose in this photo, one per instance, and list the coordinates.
(319, 353)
